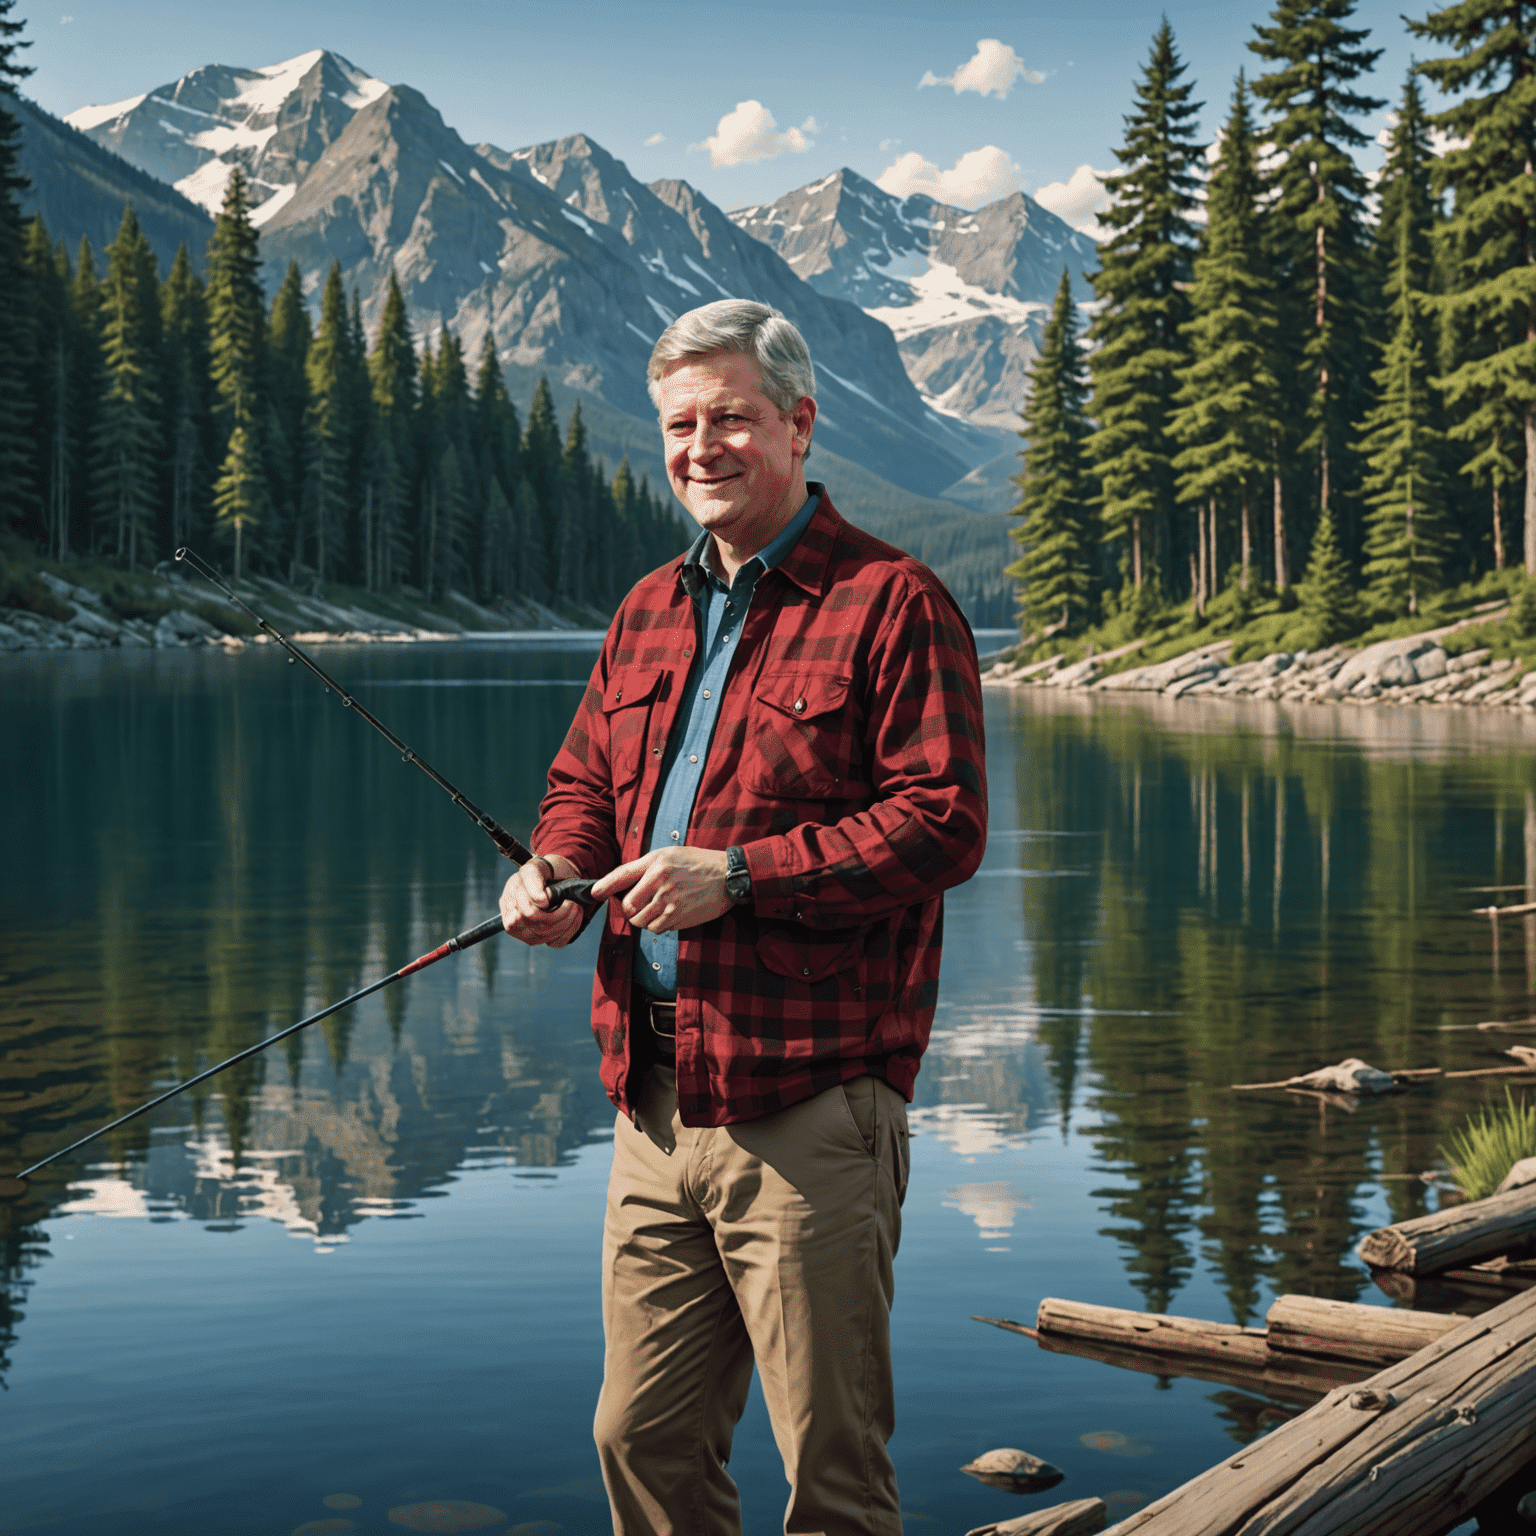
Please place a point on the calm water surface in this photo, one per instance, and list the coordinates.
(366, 1265)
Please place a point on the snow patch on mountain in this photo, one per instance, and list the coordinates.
(941, 297)
(86, 118)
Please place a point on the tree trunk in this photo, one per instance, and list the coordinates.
(1530, 479)
(1212, 566)
(1498, 530)
(1282, 567)
(1136, 550)
(1455, 1237)
(1247, 541)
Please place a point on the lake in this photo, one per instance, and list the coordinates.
(360, 1271)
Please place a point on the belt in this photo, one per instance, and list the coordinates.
(662, 1019)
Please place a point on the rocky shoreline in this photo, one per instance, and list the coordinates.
(1409, 669)
(92, 625)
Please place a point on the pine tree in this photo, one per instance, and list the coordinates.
(1324, 248)
(52, 345)
(328, 426)
(1056, 485)
(187, 421)
(393, 374)
(237, 332)
(1492, 227)
(1328, 589)
(126, 444)
(1226, 414)
(541, 466)
(287, 351)
(1404, 531)
(17, 476)
(1144, 266)
(573, 578)
(85, 302)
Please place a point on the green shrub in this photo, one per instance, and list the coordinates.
(1488, 1146)
(1524, 616)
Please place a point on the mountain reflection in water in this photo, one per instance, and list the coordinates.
(203, 848)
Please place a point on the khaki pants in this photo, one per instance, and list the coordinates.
(770, 1240)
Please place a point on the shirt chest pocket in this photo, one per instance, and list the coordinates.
(627, 705)
(802, 739)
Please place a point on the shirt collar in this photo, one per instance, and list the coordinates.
(696, 566)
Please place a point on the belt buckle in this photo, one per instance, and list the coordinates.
(655, 1017)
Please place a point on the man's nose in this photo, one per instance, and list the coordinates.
(704, 444)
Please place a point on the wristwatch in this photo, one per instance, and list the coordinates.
(738, 883)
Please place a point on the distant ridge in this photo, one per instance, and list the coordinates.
(80, 189)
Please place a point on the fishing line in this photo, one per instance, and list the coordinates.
(559, 890)
(14, 1188)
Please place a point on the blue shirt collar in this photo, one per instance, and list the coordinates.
(766, 558)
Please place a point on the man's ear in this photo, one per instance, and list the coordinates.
(802, 418)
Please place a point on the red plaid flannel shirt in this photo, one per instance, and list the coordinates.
(847, 762)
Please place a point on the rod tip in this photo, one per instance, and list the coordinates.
(12, 1189)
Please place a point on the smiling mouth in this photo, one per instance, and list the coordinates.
(715, 480)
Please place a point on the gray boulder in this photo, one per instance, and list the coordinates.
(1430, 665)
(179, 627)
(1397, 672)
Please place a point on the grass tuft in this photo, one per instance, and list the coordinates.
(1488, 1146)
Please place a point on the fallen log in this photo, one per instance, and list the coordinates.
(1348, 1330)
(1296, 1380)
(1455, 1238)
(1155, 1332)
(1414, 1449)
(1494, 1072)
(1350, 1076)
(1082, 1517)
(1488, 1024)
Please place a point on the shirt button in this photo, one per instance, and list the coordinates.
(655, 751)
(674, 837)
(693, 757)
(655, 965)
(799, 705)
(706, 693)
(806, 972)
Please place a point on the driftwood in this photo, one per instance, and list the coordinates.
(1350, 1076)
(1494, 1072)
(1455, 1238)
(1153, 1332)
(1496, 912)
(1346, 1330)
(1297, 1380)
(1082, 1517)
(1490, 1024)
(1412, 1450)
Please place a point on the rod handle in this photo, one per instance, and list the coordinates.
(561, 891)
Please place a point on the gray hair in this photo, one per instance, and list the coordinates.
(742, 326)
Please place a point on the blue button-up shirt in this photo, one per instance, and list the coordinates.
(718, 615)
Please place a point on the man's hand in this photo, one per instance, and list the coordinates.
(525, 910)
(669, 888)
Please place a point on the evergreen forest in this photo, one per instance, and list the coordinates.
(1301, 386)
(143, 410)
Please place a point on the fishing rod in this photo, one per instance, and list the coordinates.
(559, 890)
(15, 1187)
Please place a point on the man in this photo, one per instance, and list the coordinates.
(781, 751)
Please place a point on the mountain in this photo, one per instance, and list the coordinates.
(80, 188)
(965, 294)
(274, 123)
(568, 262)
(575, 267)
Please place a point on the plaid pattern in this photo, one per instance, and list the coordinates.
(848, 764)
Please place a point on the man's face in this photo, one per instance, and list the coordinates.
(733, 459)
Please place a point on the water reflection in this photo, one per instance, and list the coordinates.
(204, 848)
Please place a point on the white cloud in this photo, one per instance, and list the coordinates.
(64, 21)
(749, 134)
(993, 67)
(1078, 200)
(886, 144)
(655, 138)
(978, 176)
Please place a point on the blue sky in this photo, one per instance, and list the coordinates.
(839, 79)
